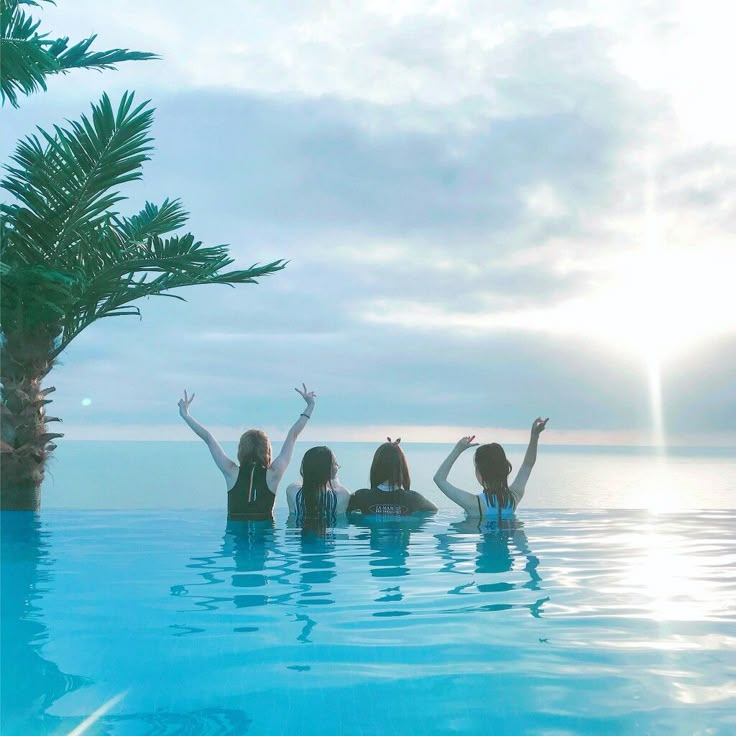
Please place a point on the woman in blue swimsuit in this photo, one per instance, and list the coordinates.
(492, 469)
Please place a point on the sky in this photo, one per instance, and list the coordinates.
(491, 212)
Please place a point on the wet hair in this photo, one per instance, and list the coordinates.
(254, 447)
(494, 469)
(389, 466)
(317, 497)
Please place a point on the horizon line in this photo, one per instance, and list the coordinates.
(439, 434)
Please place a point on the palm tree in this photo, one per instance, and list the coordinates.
(27, 58)
(68, 258)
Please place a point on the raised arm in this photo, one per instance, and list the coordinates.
(519, 485)
(279, 465)
(227, 467)
(462, 498)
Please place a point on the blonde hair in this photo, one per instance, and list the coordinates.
(254, 447)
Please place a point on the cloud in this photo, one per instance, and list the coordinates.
(436, 180)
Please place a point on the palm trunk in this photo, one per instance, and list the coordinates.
(25, 439)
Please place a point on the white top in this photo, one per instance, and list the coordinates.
(387, 487)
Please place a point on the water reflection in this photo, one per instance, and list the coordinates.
(29, 683)
(159, 723)
(490, 553)
(313, 542)
(389, 541)
(240, 563)
(253, 568)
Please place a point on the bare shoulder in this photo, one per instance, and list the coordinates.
(343, 498)
(231, 475)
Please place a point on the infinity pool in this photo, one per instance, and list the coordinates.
(561, 623)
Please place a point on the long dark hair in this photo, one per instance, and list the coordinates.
(389, 466)
(317, 498)
(494, 469)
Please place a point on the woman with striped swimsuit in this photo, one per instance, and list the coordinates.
(320, 496)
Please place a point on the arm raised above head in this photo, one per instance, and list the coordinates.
(279, 465)
(519, 485)
(462, 498)
(227, 467)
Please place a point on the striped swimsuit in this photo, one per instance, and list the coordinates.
(327, 503)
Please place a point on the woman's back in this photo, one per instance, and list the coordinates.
(332, 501)
(492, 469)
(389, 501)
(389, 493)
(490, 505)
(250, 497)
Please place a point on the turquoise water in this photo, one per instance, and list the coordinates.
(566, 622)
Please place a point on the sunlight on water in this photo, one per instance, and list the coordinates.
(670, 575)
(95, 716)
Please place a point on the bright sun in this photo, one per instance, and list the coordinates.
(659, 302)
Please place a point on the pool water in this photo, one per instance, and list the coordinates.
(563, 622)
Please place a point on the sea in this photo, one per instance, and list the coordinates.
(181, 475)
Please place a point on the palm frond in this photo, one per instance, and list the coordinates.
(33, 297)
(77, 56)
(120, 271)
(67, 258)
(153, 220)
(27, 57)
(67, 186)
(24, 59)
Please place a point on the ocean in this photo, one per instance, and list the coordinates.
(181, 475)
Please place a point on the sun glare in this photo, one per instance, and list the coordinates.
(664, 301)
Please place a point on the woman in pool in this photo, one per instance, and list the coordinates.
(389, 494)
(252, 482)
(492, 469)
(320, 495)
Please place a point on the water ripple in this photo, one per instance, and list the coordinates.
(605, 622)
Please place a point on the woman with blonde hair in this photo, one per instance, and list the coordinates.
(252, 482)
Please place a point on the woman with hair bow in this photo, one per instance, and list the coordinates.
(390, 491)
